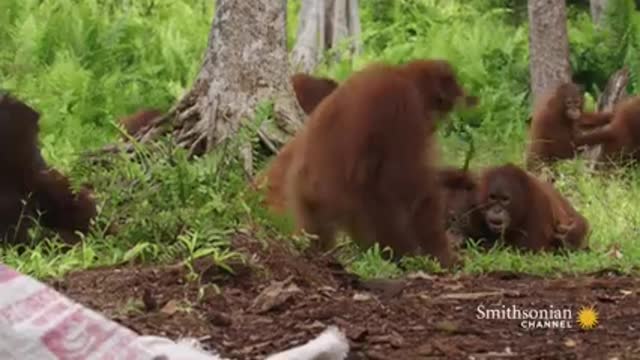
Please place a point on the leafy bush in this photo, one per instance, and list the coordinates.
(83, 63)
(597, 52)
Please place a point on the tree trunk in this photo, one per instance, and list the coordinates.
(355, 29)
(340, 22)
(345, 24)
(323, 25)
(614, 92)
(328, 23)
(597, 10)
(246, 62)
(548, 44)
(306, 52)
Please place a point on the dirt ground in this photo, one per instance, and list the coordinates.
(280, 300)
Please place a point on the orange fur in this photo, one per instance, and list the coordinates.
(63, 210)
(139, 120)
(557, 117)
(363, 162)
(620, 139)
(28, 187)
(571, 227)
(274, 177)
(462, 211)
(310, 91)
(18, 167)
(528, 213)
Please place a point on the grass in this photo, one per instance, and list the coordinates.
(84, 63)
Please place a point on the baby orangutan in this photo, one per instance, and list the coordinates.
(134, 123)
(529, 213)
(557, 118)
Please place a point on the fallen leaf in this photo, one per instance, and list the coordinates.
(570, 343)
(274, 295)
(362, 297)
(170, 308)
(327, 289)
(420, 275)
(417, 328)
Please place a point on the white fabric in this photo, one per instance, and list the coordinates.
(330, 345)
(38, 323)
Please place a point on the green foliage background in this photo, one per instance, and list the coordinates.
(84, 63)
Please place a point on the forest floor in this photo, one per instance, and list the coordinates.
(282, 300)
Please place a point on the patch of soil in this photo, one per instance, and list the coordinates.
(281, 300)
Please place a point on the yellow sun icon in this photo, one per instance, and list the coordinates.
(587, 317)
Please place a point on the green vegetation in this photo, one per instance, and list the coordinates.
(84, 63)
